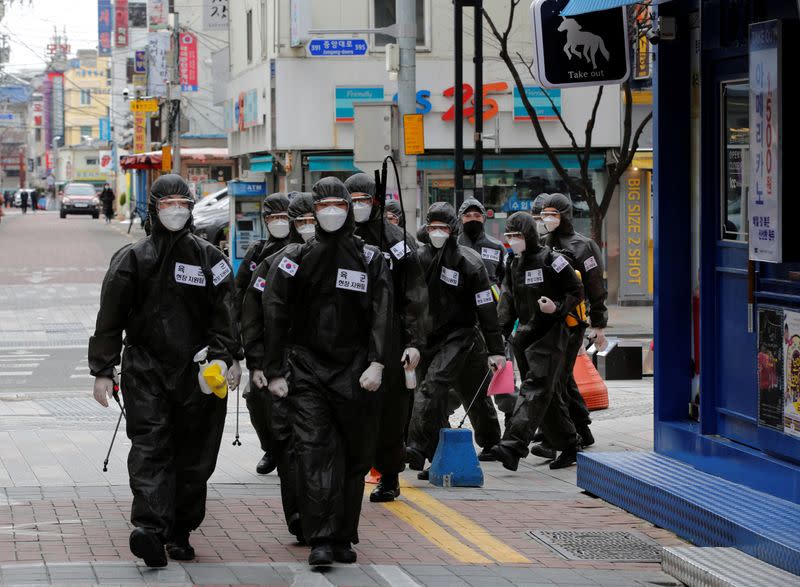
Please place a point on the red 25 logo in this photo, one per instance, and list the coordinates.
(490, 107)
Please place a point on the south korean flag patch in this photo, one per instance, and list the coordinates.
(260, 283)
(253, 265)
(288, 266)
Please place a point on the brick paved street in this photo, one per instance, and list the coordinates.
(63, 520)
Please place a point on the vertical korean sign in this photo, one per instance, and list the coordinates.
(158, 71)
(104, 27)
(764, 199)
(139, 132)
(121, 23)
(187, 63)
(157, 15)
(215, 15)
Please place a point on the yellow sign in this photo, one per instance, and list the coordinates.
(642, 65)
(139, 132)
(166, 158)
(148, 105)
(414, 132)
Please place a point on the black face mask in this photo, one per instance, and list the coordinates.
(473, 228)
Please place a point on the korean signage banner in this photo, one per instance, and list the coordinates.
(538, 98)
(57, 108)
(105, 129)
(121, 23)
(215, 15)
(187, 64)
(245, 110)
(158, 71)
(104, 27)
(139, 132)
(764, 199)
(157, 15)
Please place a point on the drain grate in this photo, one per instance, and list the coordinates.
(615, 546)
(82, 409)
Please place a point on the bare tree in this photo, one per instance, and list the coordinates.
(582, 184)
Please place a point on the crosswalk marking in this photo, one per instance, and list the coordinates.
(14, 373)
(81, 376)
(395, 576)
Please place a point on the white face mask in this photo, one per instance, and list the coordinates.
(174, 218)
(361, 212)
(551, 223)
(438, 238)
(540, 228)
(278, 228)
(517, 245)
(307, 231)
(331, 218)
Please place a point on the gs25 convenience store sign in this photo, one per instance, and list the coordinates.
(346, 97)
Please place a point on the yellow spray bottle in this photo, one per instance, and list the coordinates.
(211, 375)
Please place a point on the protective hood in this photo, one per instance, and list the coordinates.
(364, 183)
(275, 203)
(300, 205)
(443, 212)
(524, 223)
(332, 187)
(393, 206)
(471, 203)
(170, 184)
(536, 207)
(563, 204)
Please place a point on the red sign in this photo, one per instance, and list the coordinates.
(187, 63)
(490, 107)
(121, 23)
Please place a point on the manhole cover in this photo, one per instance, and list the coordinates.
(600, 545)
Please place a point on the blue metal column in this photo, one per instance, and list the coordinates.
(672, 203)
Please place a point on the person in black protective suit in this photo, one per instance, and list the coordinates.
(473, 235)
(540, 290)
(464, 323)
(276, 413)
(408, 318)
(327, 308)
(585, 256)
(394, 213)
(276, 219)
(171, 293)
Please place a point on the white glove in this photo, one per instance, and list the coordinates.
(372, 377)
(234, 374)
(497, 362)
(258, 379)
(278, 387)
(598, 337)
(103, 389)
(547, 306)
(410, 358)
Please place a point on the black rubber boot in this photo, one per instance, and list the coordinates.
(388, 489)
(424, 475)
(344, 553)
(544, 451)
(296, 528)
(509, 460)
(179, 548)
(266, 465)
(415, 459)
(586, 436)
(486, 455)
(147, 545)
(567, 458)
(321, 555)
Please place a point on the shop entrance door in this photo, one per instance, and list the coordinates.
(729, 397)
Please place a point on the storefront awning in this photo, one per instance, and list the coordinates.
(262, 164)
(533, 161)
(152, 159)
(331, 163)
(576, 7)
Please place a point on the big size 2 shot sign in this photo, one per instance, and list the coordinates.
(582, 50)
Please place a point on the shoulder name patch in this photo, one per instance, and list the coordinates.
(484, 297)
(490, 254)
(590, 263)
(559, 263)
(220, 271)
(449, 276)
(190, 274)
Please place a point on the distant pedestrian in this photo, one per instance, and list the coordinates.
(23, 201)
(107, 198)
(8, 198)
(32, 194)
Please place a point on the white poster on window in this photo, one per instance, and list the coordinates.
(215, 14)
(157, 66)
(764, 198)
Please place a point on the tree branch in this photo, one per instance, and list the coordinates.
(567, 130)
(626, 138)
(623, 165)
(587, 147)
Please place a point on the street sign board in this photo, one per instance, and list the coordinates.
(146, 105)
(585, 50)
(140, 62)
(414, 134)
(337, 47)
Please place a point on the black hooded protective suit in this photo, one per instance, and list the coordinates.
(408, 319)
(541, 339)
(473, 235)
(269, 413)
(328, 307)
(585, 256)
(171, 293)
(461, 309)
